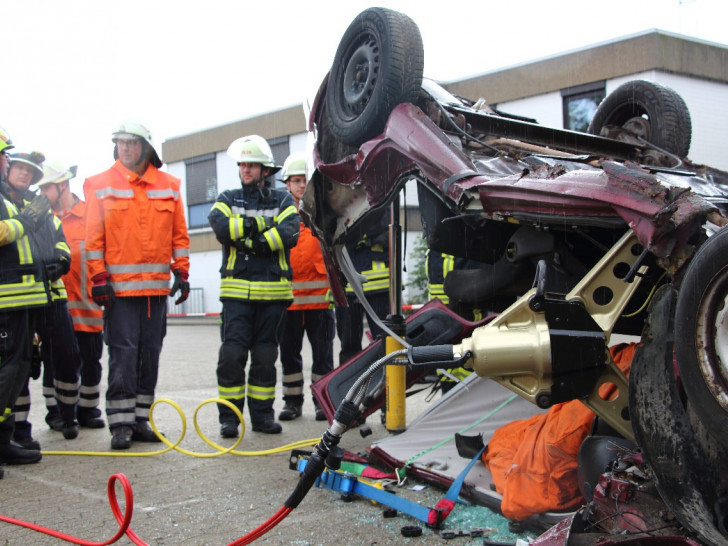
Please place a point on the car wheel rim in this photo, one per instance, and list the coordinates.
(640, 126)
(360, 76)
(712, 338)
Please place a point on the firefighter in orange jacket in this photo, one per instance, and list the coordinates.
(310, 312)
(86, 315)
(135, 236)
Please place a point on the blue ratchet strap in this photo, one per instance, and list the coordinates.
(349, 484)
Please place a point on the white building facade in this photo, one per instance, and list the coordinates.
(561, 92)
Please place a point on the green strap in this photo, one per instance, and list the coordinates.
(402, 472)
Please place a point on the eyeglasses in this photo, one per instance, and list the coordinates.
(128, 142)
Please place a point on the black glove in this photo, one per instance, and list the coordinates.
(102, 292)
(252, 226)
(180, 284)
(258, 245)
(58, 267)
(35, 359)
(35, 213)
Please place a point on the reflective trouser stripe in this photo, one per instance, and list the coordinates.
(261, 393)
(231, 393)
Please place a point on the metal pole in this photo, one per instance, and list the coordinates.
(395, 376)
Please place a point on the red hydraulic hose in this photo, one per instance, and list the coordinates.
(255, 534)
(123, 519)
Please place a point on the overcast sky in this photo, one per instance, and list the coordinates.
(74, 68)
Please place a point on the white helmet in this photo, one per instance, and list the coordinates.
(54, 172)
(134, 128)
(253, 149)
(295, 164)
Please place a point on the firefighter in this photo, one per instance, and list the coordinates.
(370, 257)
(52, 323)
(438, 265)
(136, 235)
(311, 311)
(257, 226)
(85, 314)
(22, 289)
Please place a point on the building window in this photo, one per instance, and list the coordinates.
(281, 150)
(580, 103)
(201, 174)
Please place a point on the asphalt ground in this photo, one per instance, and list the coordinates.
(188, 499)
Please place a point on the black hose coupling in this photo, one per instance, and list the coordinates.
(324, 453)
(346, 413)
(432, 357)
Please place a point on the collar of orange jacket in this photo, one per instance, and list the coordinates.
(149, 176)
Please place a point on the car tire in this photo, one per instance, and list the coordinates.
(701, 334)
(652, 111)
(378, 65)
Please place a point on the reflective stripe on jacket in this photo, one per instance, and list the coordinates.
(86, 315)
(310, 283)
(135, 230)
(438, 265)
(255, 276)
(60, 246)
(21, 283)
(370, 257)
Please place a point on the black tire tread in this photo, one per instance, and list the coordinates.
(401, 76)
(669, 115)
(710, 260)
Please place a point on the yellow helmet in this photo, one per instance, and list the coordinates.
(34, 159)
(295, 164)
(253, 149)
(135, 128)
(5, 142)
(54, 172)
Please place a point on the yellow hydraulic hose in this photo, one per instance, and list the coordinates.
(220, 450)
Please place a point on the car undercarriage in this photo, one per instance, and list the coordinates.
(578, 237)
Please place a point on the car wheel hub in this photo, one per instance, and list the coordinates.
(712, 339)
(360, 76)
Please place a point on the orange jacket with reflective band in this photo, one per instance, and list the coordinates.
(135, 230)
(86, 315)
(534, 461)
(310, 284)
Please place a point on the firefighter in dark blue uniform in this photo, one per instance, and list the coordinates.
(370, 257)
(438, 266)
(257, 227)
(21, 289)
(59, 350)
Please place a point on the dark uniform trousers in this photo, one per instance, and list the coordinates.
(134, 329)
(318, 325)
(91, 346)
(15, 353)
(61, 367)
(243, 322)
(350, 323)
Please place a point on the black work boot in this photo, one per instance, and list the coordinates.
(13, 453)
(27, 442)
(121, 437)
(70, 430)
(320, 415)
(267, 427)
(229, 429)
(142, 432)
(291, 410)
(54, 419)
(90, 418)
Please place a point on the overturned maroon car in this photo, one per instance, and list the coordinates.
(581, 236)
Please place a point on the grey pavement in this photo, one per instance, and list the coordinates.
(185, 499)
